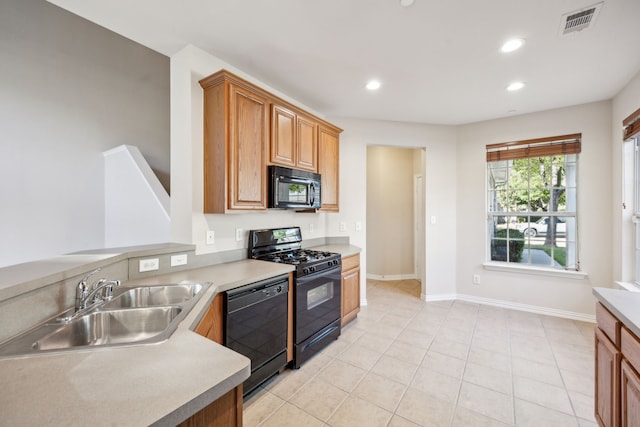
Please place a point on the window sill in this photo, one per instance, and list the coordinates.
(578, 275)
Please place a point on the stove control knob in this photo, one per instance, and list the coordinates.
(312, 269)
(279, 289)
(305, 271)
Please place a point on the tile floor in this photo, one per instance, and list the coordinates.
(405, 362)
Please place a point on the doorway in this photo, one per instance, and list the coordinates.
(395, 213)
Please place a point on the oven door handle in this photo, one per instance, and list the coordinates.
(320, 337)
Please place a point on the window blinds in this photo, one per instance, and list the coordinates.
(631, 125)
(551, 146)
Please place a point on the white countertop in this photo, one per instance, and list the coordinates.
(625, 305)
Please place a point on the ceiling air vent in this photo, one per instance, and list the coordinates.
(580, 19)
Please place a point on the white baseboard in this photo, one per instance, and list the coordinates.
(392, 277)
(513, 306)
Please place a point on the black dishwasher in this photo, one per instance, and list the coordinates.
(256, 326)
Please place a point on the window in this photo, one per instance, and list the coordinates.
(632, 149)
(532, 202)
(636, 208)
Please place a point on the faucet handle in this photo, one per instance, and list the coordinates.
(108, 290)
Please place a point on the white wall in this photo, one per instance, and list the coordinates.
(188, 223)
(624, 104)
(136, 205)
(69, 90)
(565, 295)
(439, 143)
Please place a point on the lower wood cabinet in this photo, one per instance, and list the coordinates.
(629, 396)
(227, 410)
(607, 374)
(211, 324)
(350, 288)
(224, 412)
(617, 363)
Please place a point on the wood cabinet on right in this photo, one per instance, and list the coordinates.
(617, 382)
(328, 167)
(350, 288)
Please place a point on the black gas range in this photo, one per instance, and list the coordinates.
(317, 287)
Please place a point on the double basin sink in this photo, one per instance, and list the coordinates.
(139, 315)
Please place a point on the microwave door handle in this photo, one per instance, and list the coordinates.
(312, 194)
(294, 180)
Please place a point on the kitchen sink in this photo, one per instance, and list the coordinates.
(151, 296)
(134, 316)
(110, 327)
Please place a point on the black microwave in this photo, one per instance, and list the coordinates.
(293, 188)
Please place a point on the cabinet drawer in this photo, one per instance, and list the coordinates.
(608, 323)
(351, 262)
(630, 348)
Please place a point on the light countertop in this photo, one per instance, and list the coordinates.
(159, 384)
(623, 304)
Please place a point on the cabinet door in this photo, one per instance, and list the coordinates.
(607, 377)
(630, 396)
(224, 412)
(307, 147)
(328, 167)
(350, 295)
(248, 115)
(283, 137)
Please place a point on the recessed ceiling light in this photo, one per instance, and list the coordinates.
(511, 45)
(406, 3)
(515, 86)
(373, 85)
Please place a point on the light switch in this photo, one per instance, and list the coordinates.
(433, 219)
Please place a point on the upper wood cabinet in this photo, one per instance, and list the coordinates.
(236, 131)
(328, 167)
(307, 151)
(247, 128)
(294, 139)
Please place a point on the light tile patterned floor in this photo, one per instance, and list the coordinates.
(405, 362)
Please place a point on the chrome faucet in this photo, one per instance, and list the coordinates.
(103, 286)
(85, 297)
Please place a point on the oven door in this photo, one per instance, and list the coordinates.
(317, 320)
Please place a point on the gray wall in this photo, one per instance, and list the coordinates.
(69, 90)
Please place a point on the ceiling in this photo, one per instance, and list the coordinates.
(439, 61)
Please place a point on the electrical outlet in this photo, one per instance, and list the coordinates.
(343, 226)
(311, 228)
(177, 260)
(211, 237)
(149, 264)
(358, 226)
(239, 234)
(476, 279)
